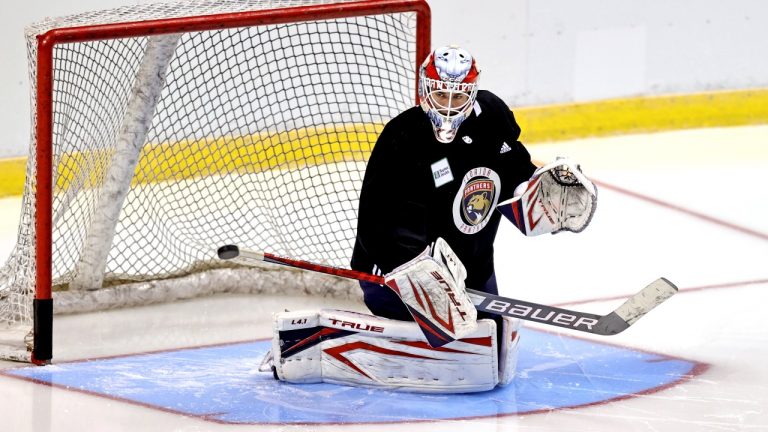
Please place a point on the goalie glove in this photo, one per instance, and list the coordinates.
(432, 288)
(557, 198)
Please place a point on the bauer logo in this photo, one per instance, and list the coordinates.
(441, 172)
(559, 318)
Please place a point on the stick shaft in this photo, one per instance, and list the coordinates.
(615, 322)
(304, 265)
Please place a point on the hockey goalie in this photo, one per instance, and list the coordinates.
(442, 347)
(426, 223)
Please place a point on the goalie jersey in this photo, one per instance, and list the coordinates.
(417, 189)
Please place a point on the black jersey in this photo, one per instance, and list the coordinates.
(417, 189)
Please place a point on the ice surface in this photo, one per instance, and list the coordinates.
(716, 321)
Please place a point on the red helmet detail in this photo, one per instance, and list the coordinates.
(450, 71)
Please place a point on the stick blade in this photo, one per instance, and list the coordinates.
(656, 293)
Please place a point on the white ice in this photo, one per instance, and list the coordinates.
(707, 231)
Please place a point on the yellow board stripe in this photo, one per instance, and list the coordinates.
(311, 146)
(12, 172)
(643, 115)
(244, 154)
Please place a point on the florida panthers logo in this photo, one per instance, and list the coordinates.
(477, 196)
(477, 203)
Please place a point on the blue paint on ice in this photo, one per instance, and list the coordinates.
(222, 384)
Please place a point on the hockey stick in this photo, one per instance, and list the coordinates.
(615, 322)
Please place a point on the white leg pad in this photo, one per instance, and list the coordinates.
(510, 338)
(363, 350)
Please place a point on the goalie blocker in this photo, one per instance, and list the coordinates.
(432, 288)
(357, 349)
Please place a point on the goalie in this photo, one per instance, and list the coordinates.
(426, 222)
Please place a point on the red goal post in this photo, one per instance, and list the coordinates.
(44, 117)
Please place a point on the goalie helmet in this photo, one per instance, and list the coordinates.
(447, 89)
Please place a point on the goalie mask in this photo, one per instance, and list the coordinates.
(447, 89)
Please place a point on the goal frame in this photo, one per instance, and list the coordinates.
(43, 300)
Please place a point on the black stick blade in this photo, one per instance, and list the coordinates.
(228, 252)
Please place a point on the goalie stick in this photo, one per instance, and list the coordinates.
(613, 323)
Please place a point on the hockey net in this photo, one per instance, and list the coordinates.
(236, 122)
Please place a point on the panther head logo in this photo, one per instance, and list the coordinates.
(477, 207)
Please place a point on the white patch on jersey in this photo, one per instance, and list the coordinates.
(476, 199)
(441, 172)
(476, 108)
(505, 148)
(467, 139)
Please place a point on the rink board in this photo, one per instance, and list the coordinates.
(222, 384)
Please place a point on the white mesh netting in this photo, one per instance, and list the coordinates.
(259, 138)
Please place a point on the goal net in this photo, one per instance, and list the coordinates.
(161, 132)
